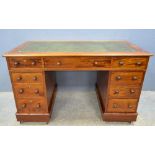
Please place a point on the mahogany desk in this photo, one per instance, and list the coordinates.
(120, 67)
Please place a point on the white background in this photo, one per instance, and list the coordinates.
(79, 14)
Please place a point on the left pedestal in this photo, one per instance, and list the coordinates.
(34, 94)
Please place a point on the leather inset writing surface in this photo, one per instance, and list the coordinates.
(77, 46)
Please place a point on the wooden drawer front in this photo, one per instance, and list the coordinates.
(25, 62)
(130, 62)
(27, 77)
(31, 106)
(95, 62)
(29, 90)
(124, 91)
(77, 62)
(122, 105)
(60, 62)
(134, 78)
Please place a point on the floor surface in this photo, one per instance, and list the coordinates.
(78, 106)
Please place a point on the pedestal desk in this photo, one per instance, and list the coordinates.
(120, 67)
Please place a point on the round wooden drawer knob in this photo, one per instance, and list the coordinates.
(21, 91)
(36, 91)
(33, 63)
(132, 91)
(24, 105)
(118, 77)
(115, 106)
(19, 78)
(58, 63)
(138, 63)
(35, 78)
(134, 78)
(121, 63)
(129, 106)
(95, 63)
(38, 106)
(16, 63)
(116, 92)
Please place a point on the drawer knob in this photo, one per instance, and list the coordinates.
(134, 78)
(95, 63)
(35, 78)
(33, 63)
(115, 106)
(58, 63)
(118, 77)
(21, 91)
(132, 91)
(36, 91)
(129, 106)
(138, 63)
(121, 63)
(16, 63)
(116, 92)
(38, 106)
(23, 105)
(19, 78)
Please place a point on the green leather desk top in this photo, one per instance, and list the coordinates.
(77, 46)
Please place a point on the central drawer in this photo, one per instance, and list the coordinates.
(77, 62)
(28, 90)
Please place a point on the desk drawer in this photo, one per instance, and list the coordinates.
(77, 62)
(122, 105)
(29, 90)
(31, 106)
(124, 91)
(24, 62)
(134, 78)
(60, 62)
(130, 62)
(27, 77)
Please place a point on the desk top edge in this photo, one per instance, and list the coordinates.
(138, 51)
